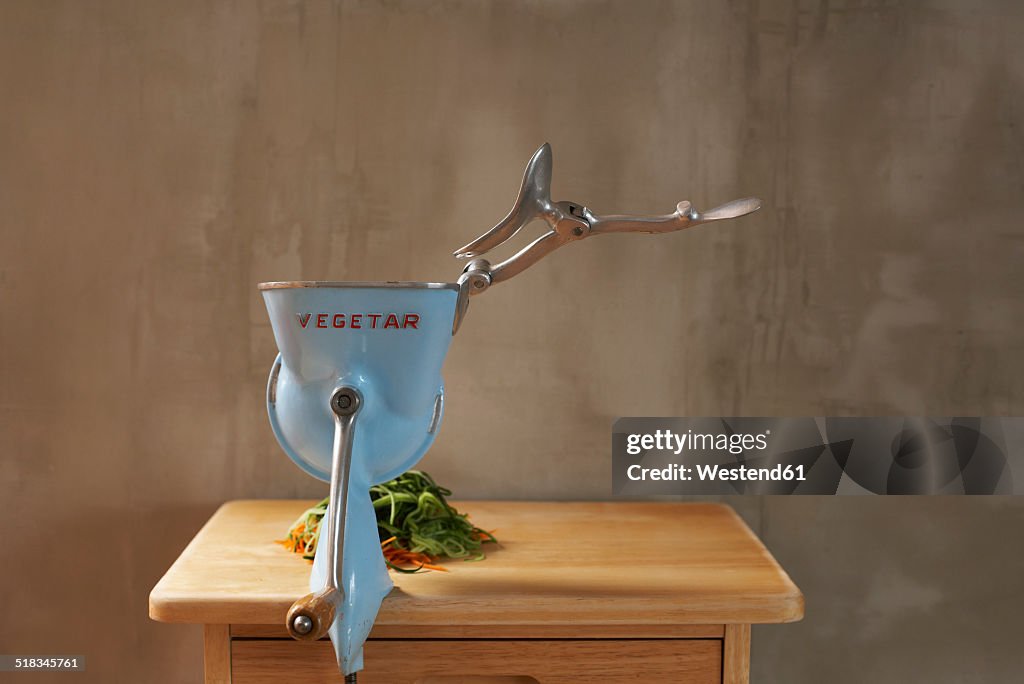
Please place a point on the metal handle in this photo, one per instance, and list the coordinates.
(311, 616)
(685, 216)
(568, 222)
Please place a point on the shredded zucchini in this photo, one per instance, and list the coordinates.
(415, 522)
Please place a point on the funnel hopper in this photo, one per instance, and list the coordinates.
(355, 397)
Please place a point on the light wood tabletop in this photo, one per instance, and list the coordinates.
(616, 569)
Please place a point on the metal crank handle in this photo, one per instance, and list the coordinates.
(311, 616)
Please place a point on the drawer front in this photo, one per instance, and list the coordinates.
(408, 661)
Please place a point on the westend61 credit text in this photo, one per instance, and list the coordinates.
(734, 443)
(817, 455)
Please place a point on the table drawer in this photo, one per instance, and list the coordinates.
(509, 661)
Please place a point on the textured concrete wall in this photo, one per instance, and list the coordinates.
(157, 160)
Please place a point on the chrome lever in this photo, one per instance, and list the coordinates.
(533, 202)
(685, 216)
(567, 222)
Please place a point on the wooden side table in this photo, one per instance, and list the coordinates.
(578, 592)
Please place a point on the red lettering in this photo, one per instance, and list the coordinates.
(355, 321)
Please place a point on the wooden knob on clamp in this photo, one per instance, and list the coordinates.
(311, 616)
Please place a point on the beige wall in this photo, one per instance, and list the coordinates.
(157, 160)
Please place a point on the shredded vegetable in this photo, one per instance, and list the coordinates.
(416, 524)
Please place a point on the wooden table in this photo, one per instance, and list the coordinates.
(577, 592)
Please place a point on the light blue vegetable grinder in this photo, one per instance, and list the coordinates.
(356, 398)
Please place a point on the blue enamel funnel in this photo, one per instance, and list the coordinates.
(355, 396)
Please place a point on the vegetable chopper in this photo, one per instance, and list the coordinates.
(355, 396)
